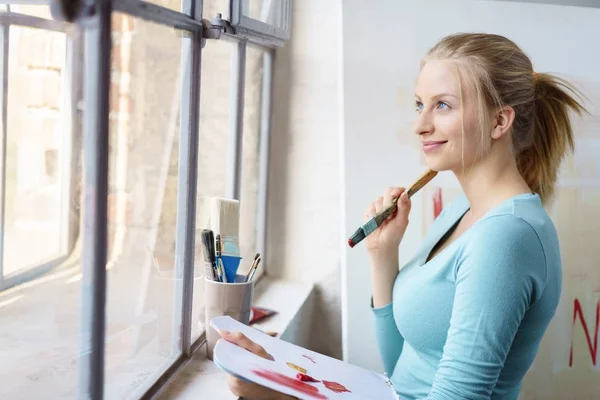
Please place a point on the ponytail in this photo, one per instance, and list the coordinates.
(552, 133)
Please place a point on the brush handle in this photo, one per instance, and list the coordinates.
(422, 181)
(208, 250)
(379, 218)
(414, 188)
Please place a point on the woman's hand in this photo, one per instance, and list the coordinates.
(384, 241)
(382, 244)
(245, 389)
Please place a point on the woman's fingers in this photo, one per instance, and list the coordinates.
(370, 212)
(390, 194)
(381, 203)
(252, 391)
(242, 340)
(378, 205)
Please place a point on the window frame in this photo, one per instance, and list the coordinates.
(94, 24)
(253, 28)
(71, 119)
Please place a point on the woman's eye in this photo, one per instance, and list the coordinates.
(418, 106)
(442, 104)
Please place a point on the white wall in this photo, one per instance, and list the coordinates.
(304, 186)
(383, 42)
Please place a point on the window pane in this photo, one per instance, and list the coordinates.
(35, 164)
(210, 8)
(145, 96)
(267, 11)
(250, 156)
(213, 148)
(41, 329)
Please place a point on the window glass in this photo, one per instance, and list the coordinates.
(41, 310)
(145, 95)
(215, 99)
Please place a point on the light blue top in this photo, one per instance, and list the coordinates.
(468, 323)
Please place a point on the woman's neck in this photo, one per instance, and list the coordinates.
(487, 184)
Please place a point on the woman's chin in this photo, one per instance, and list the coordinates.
(435, 164)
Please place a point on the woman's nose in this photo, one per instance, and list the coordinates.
(423, 125)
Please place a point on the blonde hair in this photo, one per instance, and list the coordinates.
(501, 75)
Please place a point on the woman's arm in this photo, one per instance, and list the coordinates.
(382, 246)
(389, 339)
(498, 277)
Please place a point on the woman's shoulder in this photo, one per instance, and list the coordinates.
(522, 217)
(519, 231)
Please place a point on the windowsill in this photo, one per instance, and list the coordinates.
(201, 378)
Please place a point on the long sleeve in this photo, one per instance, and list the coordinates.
(389, 339)
(499, 275)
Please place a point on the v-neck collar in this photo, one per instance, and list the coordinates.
(461, 208)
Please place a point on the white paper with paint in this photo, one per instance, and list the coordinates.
(336, 379)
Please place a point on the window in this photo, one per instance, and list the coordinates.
(103, 189)
(214, 141)
(266, 18)
(144, 107)
(40, 251)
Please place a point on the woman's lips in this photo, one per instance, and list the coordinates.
(431, 145)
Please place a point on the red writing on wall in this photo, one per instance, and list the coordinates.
(592, 347)
(437, 202)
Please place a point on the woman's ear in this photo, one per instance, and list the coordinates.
(502, 121)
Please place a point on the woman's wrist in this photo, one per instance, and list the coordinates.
(384, 260)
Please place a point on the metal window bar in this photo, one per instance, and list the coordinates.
(13, 18)
(74, 81)
(4, 42)
(158, 14)
(236, 122)
(264, 147)
(187, 183)
(95, 146)
(68, 169)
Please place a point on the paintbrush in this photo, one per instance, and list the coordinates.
(371, 225)
(225, 221)
(253, 267)
(253, 271)
(208, 249)
(218, 254)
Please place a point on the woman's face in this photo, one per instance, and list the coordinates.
(441, 118)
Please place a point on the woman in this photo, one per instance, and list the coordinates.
(465, 317)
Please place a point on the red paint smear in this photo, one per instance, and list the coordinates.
(305, 378)
(592, 348)
(350, 243)
(310, 358)
(291, 383)
(335, 387)
(437, 203)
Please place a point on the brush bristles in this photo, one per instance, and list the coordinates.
(224, 216)
(358, 236)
